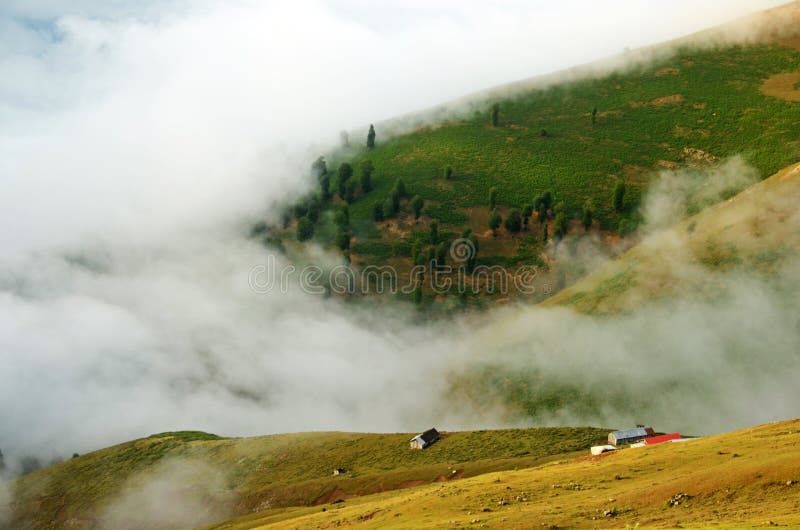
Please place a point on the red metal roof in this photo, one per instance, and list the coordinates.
(663, 438)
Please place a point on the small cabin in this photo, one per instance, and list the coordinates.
(339, 471)
(423, 440)
(630, 436)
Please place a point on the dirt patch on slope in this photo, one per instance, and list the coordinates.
(782, 86)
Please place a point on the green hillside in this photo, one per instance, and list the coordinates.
(694, 108)
(235, 476)
(753, 236)
(755, 232)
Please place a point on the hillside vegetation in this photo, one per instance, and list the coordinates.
(744, 479)
(572, 144)
(231, 476)
(755, 232)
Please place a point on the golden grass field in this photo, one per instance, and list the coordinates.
(744, 479)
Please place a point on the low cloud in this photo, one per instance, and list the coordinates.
(174, 494)
(673, 195)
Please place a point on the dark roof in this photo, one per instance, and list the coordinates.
(430, 436)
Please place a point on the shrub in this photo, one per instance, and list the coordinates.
(514, 221)
(305, 229)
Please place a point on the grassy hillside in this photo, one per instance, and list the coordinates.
(703, 259)
(744, 479)
(695, 107)
(232, 476)
(754, 232)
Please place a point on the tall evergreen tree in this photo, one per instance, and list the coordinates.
(305, 229)
(618, 198)
(325, 187)
(400, 186)
(495, 115)
(371, 137)
(587, 215)
(377, 212)
(350, 192)
(416, 205)
(313, 209)
(495, 220)
(560, 226)
(366, 176)
(527, 212)
(434, 232)
(514, 221)
(342, 217)
(547, 200)
(343, 240)
(345, 172)
(319, 167)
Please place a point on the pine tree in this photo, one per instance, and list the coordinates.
(366, 176)
(377, 212)
(325, 187)
(495, 220)
(350, 192)
(342, 217)
(371, 137)
(305, 229)
(587, 214)
(495, 115)
(319, 167)
(618, 199)
(416, 205)
(345, 172)
(560, 226)
(400, 186)
(514, 221)
(527, 212)
(434, 233)
(343, 240)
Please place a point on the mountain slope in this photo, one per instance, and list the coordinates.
(737, 480)
(692, 105)
(755, 232)
(220, 477)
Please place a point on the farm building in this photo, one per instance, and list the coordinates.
(421, 441)
(629, 436)
(339, 471)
